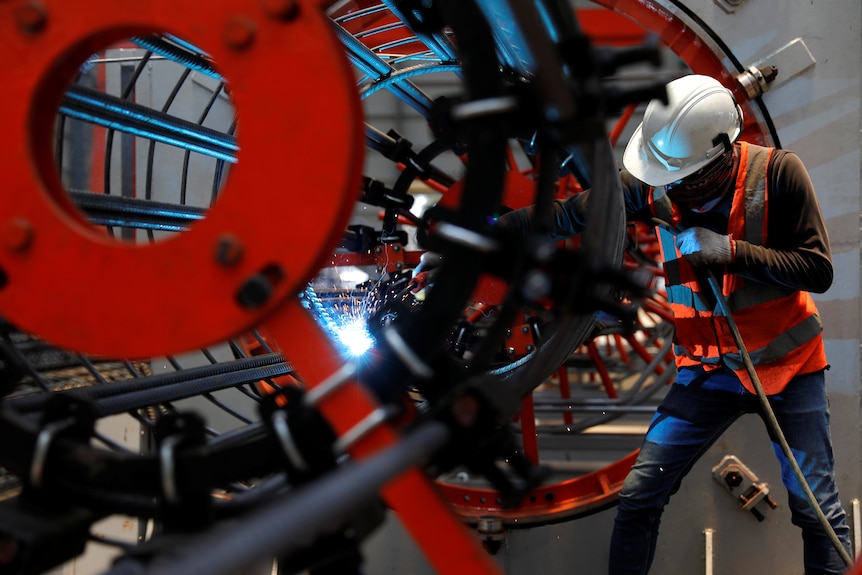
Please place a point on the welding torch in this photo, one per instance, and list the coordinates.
(771, 420)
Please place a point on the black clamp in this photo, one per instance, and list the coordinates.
(363, 239)
(481, 437)
(402, 152)
(185, 505)
(36, 537)
(591, 289)
(567, 278)
(40, 529)
(596, 99)
(393, 202)
(307, 444)
(377, 194)
(303, 435)
(66, 415)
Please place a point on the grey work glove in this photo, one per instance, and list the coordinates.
(701, 246)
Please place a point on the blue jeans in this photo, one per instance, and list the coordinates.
(695, 412)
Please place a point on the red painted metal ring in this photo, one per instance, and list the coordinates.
(266, 205)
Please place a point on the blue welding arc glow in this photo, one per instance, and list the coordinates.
(355, 337)
(350, 331)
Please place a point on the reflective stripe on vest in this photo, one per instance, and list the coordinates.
(776, 324)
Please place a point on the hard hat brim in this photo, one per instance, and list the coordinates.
(643, 165)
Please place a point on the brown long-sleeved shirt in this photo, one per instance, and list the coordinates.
(795, 255)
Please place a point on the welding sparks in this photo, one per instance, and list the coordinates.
(344, 310)
(354, 335)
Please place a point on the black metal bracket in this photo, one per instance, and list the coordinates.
(185, 506)
(303, 435)
(481, 440)
(35, 538)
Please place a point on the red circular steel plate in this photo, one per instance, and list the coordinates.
(287, 200)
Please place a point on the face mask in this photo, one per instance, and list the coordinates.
(702, 190)
(710, 204)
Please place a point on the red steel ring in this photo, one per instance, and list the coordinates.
(286, 202)
(583, 494)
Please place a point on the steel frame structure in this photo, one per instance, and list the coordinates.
(245, 272)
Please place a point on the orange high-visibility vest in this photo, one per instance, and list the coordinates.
(781, 328)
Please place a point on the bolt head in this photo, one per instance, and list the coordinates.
(281, 9)
(31, 17)
(255, 292)
(17, 235)
(239, 32)
(228, 251)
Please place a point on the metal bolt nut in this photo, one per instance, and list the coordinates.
(489, 524)
(31, 17)
(281, 9)
(239, 32)
(228, 251)
(254, 292)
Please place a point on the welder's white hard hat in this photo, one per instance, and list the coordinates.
(677, 139)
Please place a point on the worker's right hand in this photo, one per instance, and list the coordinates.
(426, 272)
(701, 246)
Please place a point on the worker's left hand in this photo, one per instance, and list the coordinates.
(701, 246)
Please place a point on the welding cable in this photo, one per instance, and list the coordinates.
(772, 421)
(769, 414)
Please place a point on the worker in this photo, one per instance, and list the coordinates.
(750, 214)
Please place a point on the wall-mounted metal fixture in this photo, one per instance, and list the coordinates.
(743, 484)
